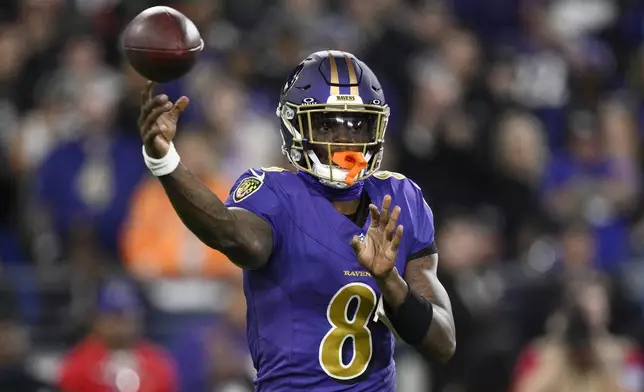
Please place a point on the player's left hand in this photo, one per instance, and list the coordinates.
(377, 251)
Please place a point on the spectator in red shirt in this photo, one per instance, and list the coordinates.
(579, 354)
(113, 358)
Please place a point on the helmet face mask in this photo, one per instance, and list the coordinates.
(314, 126)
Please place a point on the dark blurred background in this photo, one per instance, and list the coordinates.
(522, 121)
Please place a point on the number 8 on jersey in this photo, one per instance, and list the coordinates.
(343, 327)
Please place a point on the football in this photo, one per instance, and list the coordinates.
(161, 44)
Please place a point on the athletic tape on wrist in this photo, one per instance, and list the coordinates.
(162, 166)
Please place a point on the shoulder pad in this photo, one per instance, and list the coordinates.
(252, 180)
(275, 169)
(384, 174)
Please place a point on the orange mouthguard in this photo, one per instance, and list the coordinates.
(352, 161)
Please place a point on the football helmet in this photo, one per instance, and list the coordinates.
(333, 117)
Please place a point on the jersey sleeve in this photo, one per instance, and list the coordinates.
(252, 193)
(422, 235)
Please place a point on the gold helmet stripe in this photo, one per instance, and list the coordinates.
(353, 79)
(335, 79)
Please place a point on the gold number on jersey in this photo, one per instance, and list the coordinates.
(348, 326)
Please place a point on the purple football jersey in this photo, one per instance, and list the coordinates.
(311, 308)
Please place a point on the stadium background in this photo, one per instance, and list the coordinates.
(522, 120)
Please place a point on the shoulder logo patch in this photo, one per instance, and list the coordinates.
(246, 187)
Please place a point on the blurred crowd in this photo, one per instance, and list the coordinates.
(522, 121)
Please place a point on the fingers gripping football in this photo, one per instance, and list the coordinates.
(378, 250)
(158, 120)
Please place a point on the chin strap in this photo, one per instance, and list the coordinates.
(330, 192)
(353, 161)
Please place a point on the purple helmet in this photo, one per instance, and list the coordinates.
(333, 118)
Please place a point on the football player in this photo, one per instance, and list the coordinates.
(328, 275)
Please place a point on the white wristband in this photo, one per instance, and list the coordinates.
(162, 166)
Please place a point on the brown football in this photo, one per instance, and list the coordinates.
(162, 44)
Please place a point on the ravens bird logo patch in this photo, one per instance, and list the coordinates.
(247, 187)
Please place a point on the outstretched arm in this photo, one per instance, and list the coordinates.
(241, 235)
(244, 237)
